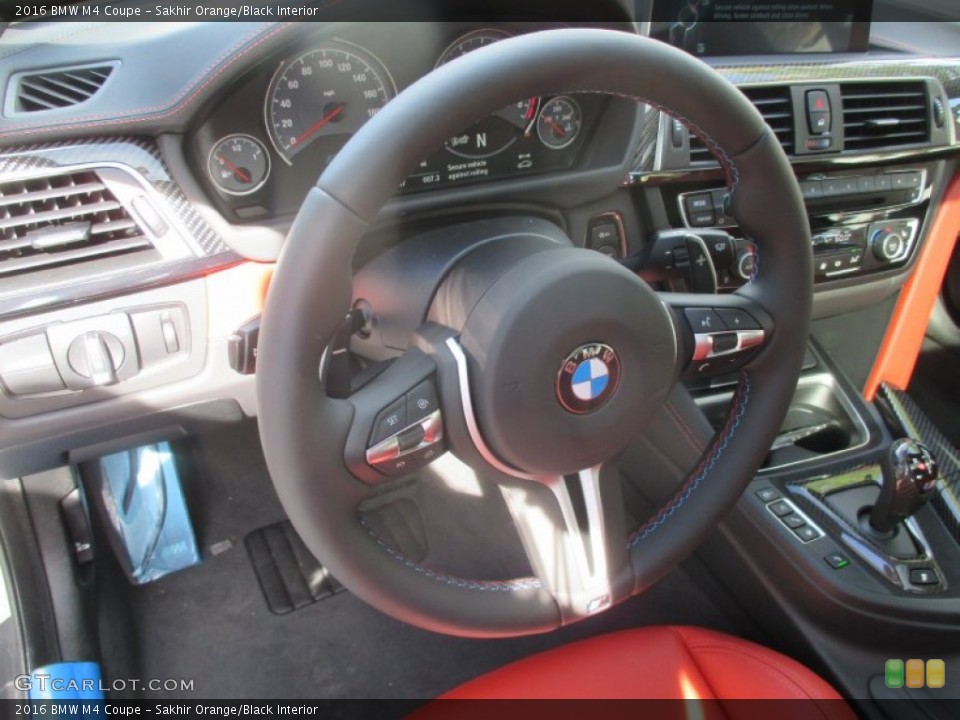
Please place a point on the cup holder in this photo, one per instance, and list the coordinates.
(821, 421)
(830, 439)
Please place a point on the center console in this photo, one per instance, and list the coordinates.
(855, 550)
(863, 223)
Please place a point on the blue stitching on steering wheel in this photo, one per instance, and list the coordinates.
(697, 477)
(530, 583)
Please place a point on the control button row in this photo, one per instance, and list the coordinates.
(838, 263)
(724, 340)
(413, 447)
(707, 320)
(413, 407)
(863, 184)
(704, 209)
(795, 521)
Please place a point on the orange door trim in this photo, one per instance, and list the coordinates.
(908, 325)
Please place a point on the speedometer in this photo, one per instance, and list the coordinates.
(324, 96)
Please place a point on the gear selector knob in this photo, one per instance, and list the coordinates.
(910, 475)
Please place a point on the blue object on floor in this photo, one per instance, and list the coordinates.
(80, 681)
(146, 511)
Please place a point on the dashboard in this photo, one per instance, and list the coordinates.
(266, 140)
(144, 217)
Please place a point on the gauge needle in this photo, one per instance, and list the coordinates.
(241, 175)
(557, 128)
(319, 124)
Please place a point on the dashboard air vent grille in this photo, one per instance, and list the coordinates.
(60, 88)
(63, 220)
(882, 115)
(776, 106)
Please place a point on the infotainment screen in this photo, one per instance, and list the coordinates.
(762, 27)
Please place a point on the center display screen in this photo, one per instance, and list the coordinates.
(762, 27)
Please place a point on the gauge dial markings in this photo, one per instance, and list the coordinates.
(238, 164)
(328, 91)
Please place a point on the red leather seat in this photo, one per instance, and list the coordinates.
(666, 663)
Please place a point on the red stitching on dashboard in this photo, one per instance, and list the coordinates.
(50, 41)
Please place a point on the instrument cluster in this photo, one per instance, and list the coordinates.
(316, 98)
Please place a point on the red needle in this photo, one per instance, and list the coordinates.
(532, 110)
(557, 128)
(318, 124)
(241, 175)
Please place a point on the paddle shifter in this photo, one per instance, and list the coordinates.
(910, 475)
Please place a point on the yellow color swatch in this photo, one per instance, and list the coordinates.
(936, 673)
(915, 673)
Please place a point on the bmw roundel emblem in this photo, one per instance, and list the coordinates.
(588, 378)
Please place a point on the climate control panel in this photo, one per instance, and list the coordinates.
(857, 249)
(862, 223)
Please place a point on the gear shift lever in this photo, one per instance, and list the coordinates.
(910, 475)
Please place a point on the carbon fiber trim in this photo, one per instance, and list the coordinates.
(918, 426)
(649, 132)
(139, 155)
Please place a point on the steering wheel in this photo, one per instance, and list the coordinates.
(540, 365)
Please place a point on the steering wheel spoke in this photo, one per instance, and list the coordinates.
(720, 334)
(572, 528)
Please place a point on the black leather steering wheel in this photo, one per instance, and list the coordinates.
(503, 340)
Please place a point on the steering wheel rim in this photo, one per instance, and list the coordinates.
(312, 285)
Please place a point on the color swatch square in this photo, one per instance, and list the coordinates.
(893, 673)
(915, 673)
(936, 673)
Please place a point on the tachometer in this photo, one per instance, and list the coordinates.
(328, 92)
(490, 136)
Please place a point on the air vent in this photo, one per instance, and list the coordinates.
(884, 115)
(776, 106)
(63, 220)
(59, 88)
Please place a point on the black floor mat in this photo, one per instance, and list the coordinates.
(290, 577)
(210, 624)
